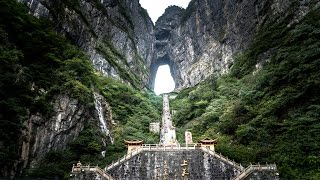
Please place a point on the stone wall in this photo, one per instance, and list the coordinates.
(167, 165)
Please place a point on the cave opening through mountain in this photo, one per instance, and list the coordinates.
(163, 82)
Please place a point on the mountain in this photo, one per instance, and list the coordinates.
(203, 39)
(118, 35)
(76, 77)
(56, 108)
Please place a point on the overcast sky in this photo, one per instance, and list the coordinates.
(156, 8)
(164, 82)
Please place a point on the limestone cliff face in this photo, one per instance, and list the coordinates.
(117, 34)
(202, 40)
(118, 37)
(43, 134)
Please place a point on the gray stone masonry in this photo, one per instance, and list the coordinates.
(167, 165)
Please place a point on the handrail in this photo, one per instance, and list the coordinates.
(124, 158)
(244, 172)
(175, 147)
(97, 169)
(252, 168)
(152, 147)
(223, 158)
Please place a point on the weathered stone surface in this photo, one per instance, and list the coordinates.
(156, 164)
(43, 134)
(123, 26)
(202, 40)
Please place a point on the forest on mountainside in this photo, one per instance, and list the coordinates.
(269, 114)
(37, 64)
(265, 113)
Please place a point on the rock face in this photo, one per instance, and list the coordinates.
(117, 34)
(123, 43)
(43, 134)
(197, 42)
(167, 165)
(202, 40)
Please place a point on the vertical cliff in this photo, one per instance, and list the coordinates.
(203, 39)
(117, 34)
(43, 71)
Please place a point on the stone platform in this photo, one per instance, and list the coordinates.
(168, 164)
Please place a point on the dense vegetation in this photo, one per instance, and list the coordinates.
(259, 115)
(264, 115)
(36, 65)
(132, 110)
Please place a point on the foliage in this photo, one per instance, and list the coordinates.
(132, 110)
(86, 148)
(271, 115)
(36, 65)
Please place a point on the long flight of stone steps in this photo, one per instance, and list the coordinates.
(224, 167)
(170, 160)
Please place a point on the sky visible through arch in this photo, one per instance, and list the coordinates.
(164, 82)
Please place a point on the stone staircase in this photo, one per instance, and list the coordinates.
(172, 161)
(153, 161)
(268, 171)
(89, 172)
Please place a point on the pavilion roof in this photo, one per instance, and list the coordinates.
(133, 142)
(209, 141)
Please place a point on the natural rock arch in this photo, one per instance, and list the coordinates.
(165, 60)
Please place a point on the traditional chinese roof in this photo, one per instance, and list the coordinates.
(133, 142)
(208, 141)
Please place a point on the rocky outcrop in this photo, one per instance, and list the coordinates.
(202, 40)
(42, 135)
(104, 112)
(197, 42)
(164, 31)
(68, 118)
(116, 34)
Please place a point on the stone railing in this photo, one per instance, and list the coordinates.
(124, 158)
(250, 169)
(88, 168)
(177, 147)
(223, 158)
(155, 147)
